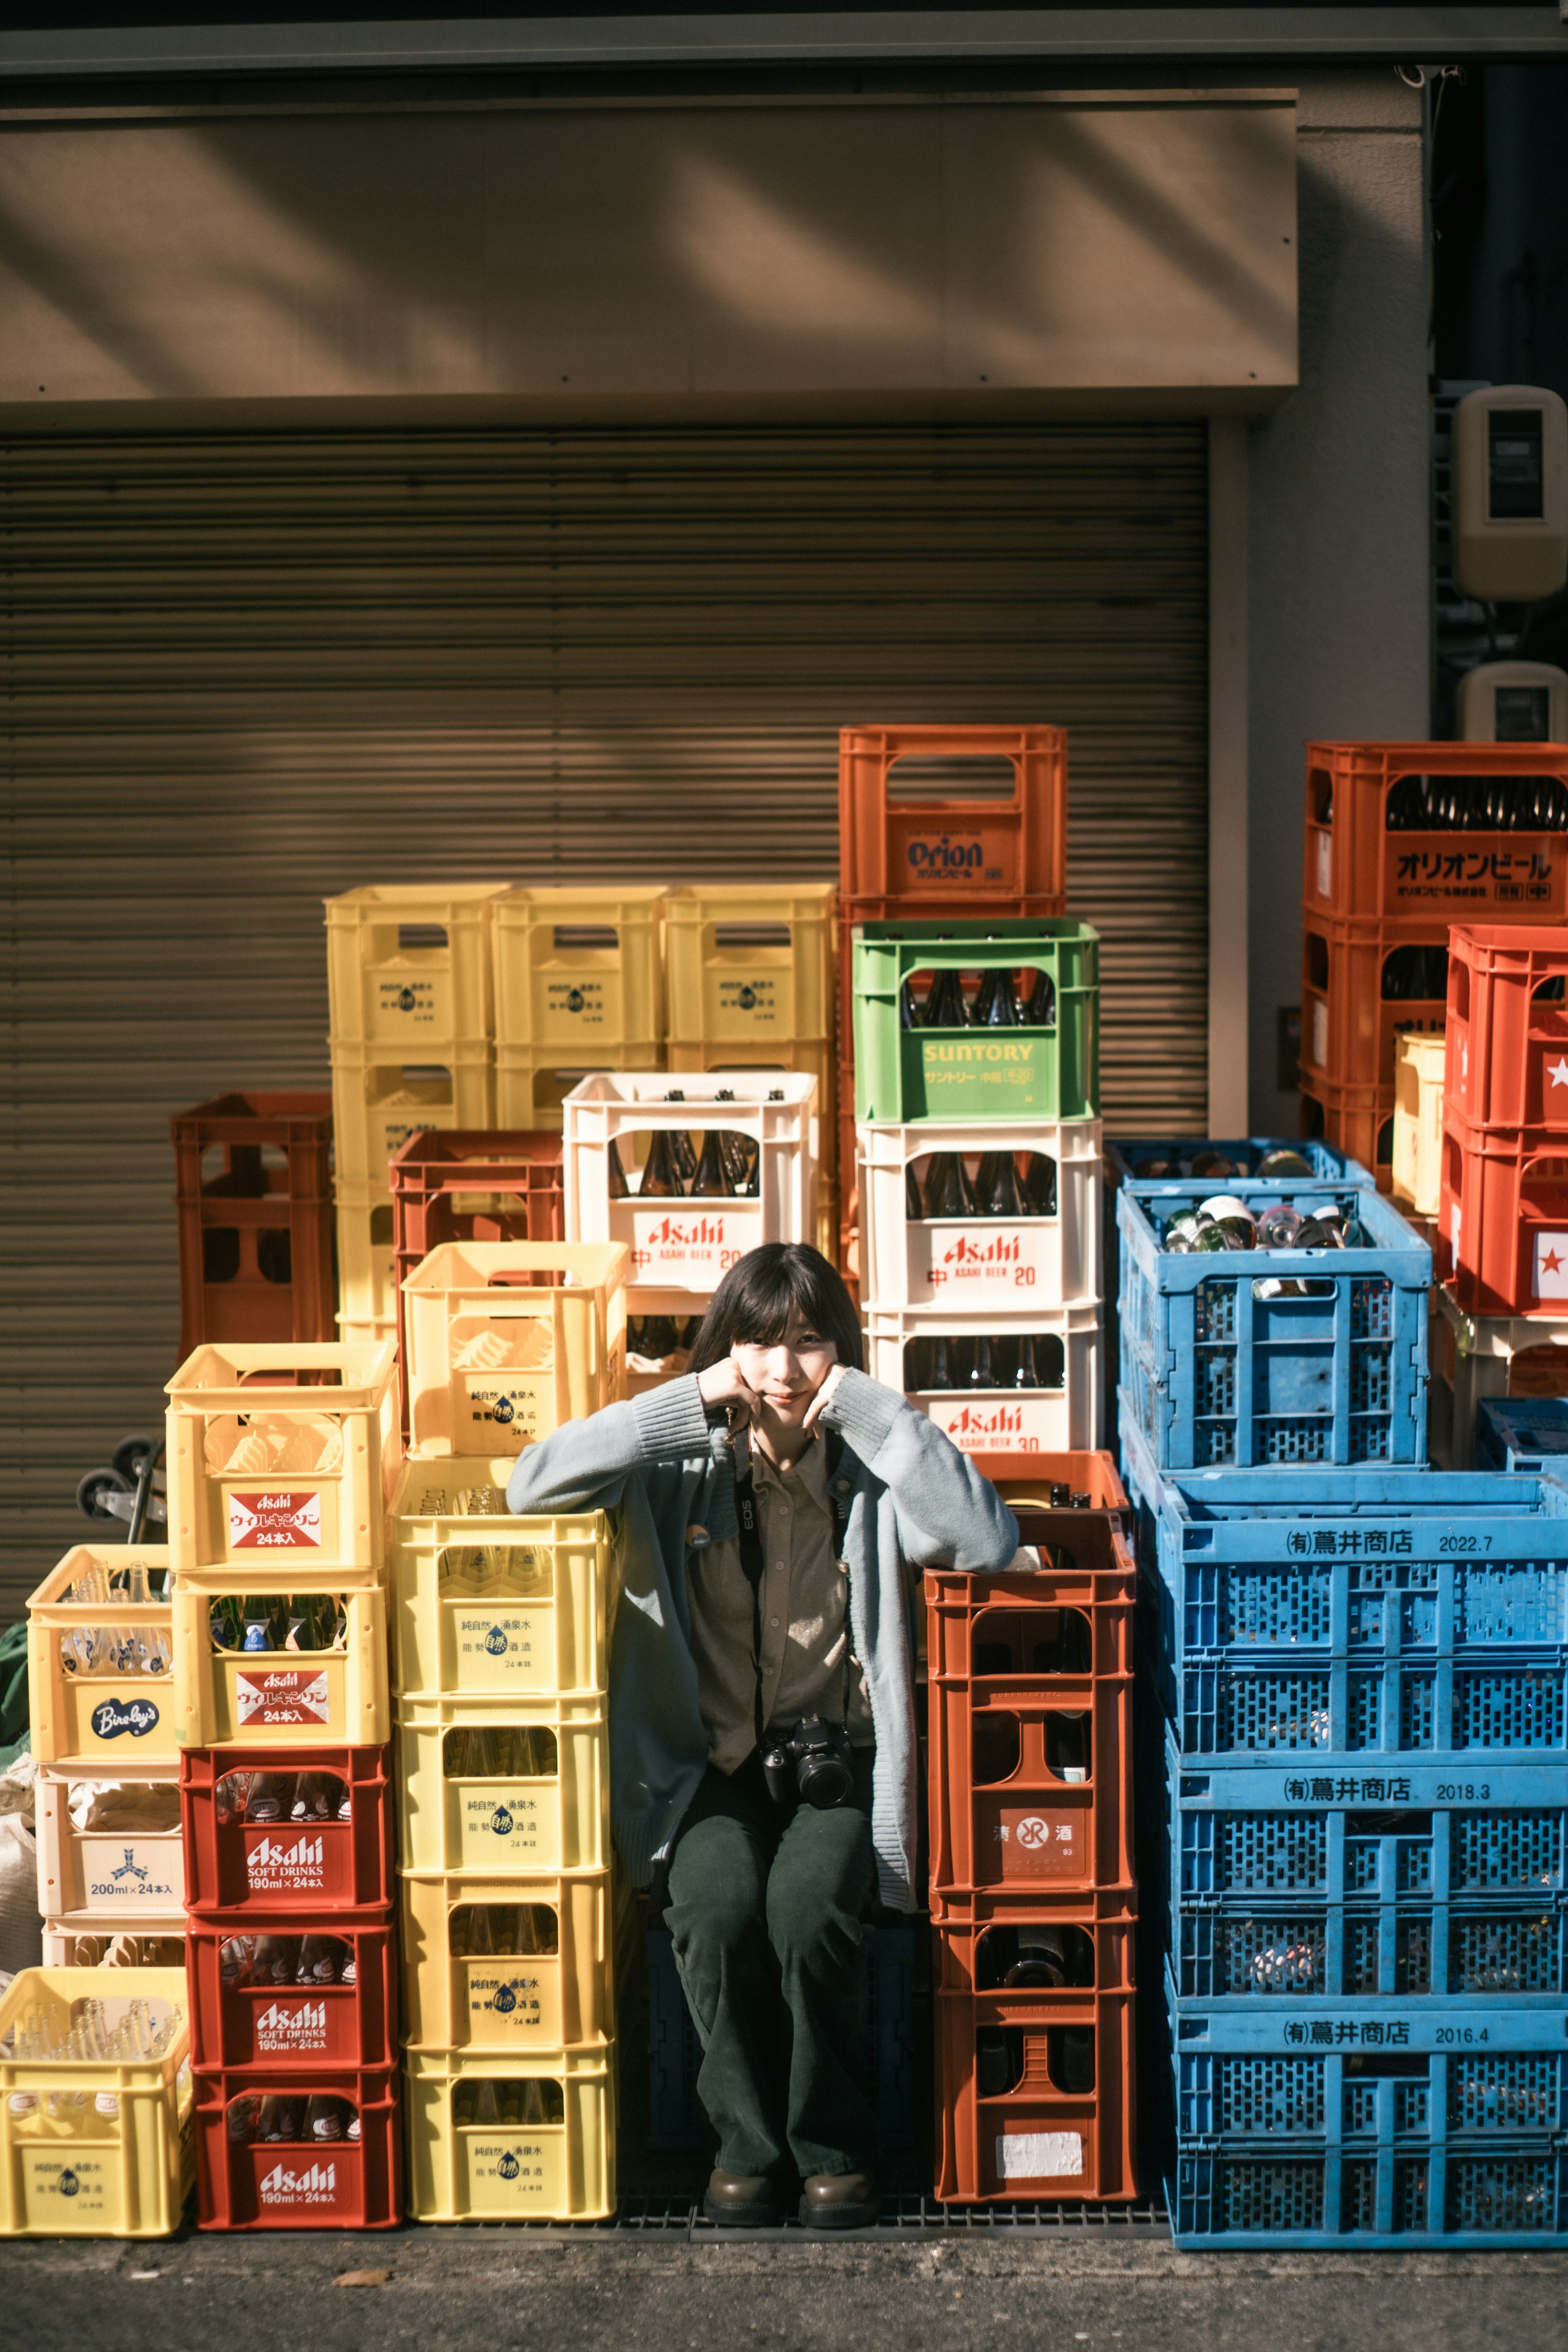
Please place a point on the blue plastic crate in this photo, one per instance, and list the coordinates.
(1124, 1156)
(675, 2117)
(1216, 1369)
(1364, 2128)
(1528, 1434)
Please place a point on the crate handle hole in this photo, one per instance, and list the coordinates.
(953, 776)
(421, 938)
(998, 1747)
(503, 1931)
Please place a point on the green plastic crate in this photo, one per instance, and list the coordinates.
(902, 1075)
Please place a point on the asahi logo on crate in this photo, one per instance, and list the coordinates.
(292, 2025)
(709, 1244)
(979, 1262)
(267, 1701)
(285, 1866)
(316, 2184)
(290, 1521)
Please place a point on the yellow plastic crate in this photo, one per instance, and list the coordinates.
(462, 1810)
(90, 1713)
(561, 2170)
(747, 965)
(496, 1355)
(295, 1476)
(381, 1097)
(1419, 1121)
(532, 1082)
(367, 1266)
(66, 2169)
(410, 964)
(108, 1882)
(580, 970)
(488, 1603)
(560, 1996)
(279, 1698)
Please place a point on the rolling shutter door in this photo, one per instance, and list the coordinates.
(244, 671)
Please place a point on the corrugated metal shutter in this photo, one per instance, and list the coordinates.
(241, 672)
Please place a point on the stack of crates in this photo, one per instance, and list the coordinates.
(409, 973)
(1501, 1327)
(1402, 840)
(280, 1465)
(254, 1199)
(1366, 1775)
(1034, 1903)
(979, 1153)
(502, 1649)
(750, 974)
(579, 986)
(937, 822)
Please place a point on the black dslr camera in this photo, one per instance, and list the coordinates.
(813, 1763)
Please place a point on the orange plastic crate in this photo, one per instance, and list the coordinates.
(1503, 1205)
(1506, 1059)
(299, 2185)
(1356, 1119)
(252, 1198)
(1348, 1025)
(1006, 854)
(1023, 1477)
(1355, 867)
(1036, 2139)
(281, 2027)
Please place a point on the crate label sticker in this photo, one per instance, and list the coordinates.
(1015, 1066)
(517, 1406)
(938, 861)
(697, 1248)
(1319, 1054)
(117, 1876)
(283, 1696)
(113, 1717)
(516, 2001)
(997, 1425)
(77, 2180)
(1040, 2155)
(1380, 2033)
(291, 2026)
(582, 1001)
(1551, 1271)
(1325, 865)
(490, 1645)
(408, 1003)
(1441, 871)
(981, 1261)
(1040, 1844)
(754, 995)
(520, 2169)
(300, 2184)
(291, 1521)
(1553, 1085)
(1354, 1543)
(286, 1863)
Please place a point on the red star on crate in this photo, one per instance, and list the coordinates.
(1552, 1263)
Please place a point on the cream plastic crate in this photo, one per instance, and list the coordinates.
(487, 1603)
(108, 1881)
(67, 2169)
(381, 1097)
(91, 1947)
(458, 1815)
(411, 964)
(1476, 1356)
(1013, 1266)
(1056, 1420)
(294, 1475)
(562, 2170)
(683, 1244)
(496, 1356)
(683, 1308)
(800, 1057)
(1419, 1121)
(532, 1082)
(287, 1700)
(559, 1998)
(367, 1266)
(98, 1716)
(745, 965)
(580, 970)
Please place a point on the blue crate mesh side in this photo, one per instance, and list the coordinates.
(1411, 2176)
(1412, 2106)
(1417, 1711)
(1268, 2194)
(1371, 1307)
(1293, 1437)
(1360, 1955)
(1372, 1439)
(1509, 1600)
(1363, 1865)
(1361, 2106)
(1264, 1710)
(1508, 1707)
(1363, 1711)
(1412, 1865)
(1271, 1955)
(1214, 1443)
(1505, 1850)
(1504, 1955)
(1502, 2192)
(1372, 1380)
(1272, 1605)
(1269, 1853)
(1214, 1312)
(1413, 1955)
(1418, 1619)
(1269, 2094)
(1215, 1384)
(1358, 2194)
(1516, 2094)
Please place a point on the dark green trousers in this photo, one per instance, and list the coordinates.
(764, 1912)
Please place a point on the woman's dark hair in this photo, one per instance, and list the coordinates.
(751, 1305)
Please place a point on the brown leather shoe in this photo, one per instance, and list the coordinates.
(741, 2200)
(840, 2201)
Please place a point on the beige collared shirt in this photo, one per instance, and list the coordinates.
(804, 1613)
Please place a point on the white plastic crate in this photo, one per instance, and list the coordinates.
(1015, 1264)
(381, 1096)
(1059, 1418)
(681, 1243)
(532, 1082)
(104, 1880)
(367, 1268)
(1419, 1121)
(508, 1340)
(409, 963)
(1476, 1356)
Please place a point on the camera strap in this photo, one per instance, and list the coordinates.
(754, 1567)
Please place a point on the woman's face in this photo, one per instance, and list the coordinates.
(787, 1375)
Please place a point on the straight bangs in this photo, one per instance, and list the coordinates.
(753, 1304)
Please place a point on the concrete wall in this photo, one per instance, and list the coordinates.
(1339, 619)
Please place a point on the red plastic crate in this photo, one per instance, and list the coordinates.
(1348, 1025)
(1091, 1473)
(1355, 867)
(1002, 1820)
(297, 2185)
(253, 1197)
(1036, 2139)
(1098, 1930)
(1355, 1120)
(1503, 1204)
(1005, 854)
(1506, 1059)
(240, 1872)
(282, 2027)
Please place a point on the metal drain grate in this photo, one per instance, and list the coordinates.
(901, 2217)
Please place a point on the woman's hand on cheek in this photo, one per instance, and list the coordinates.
(823, 1393)
(722, 1384)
